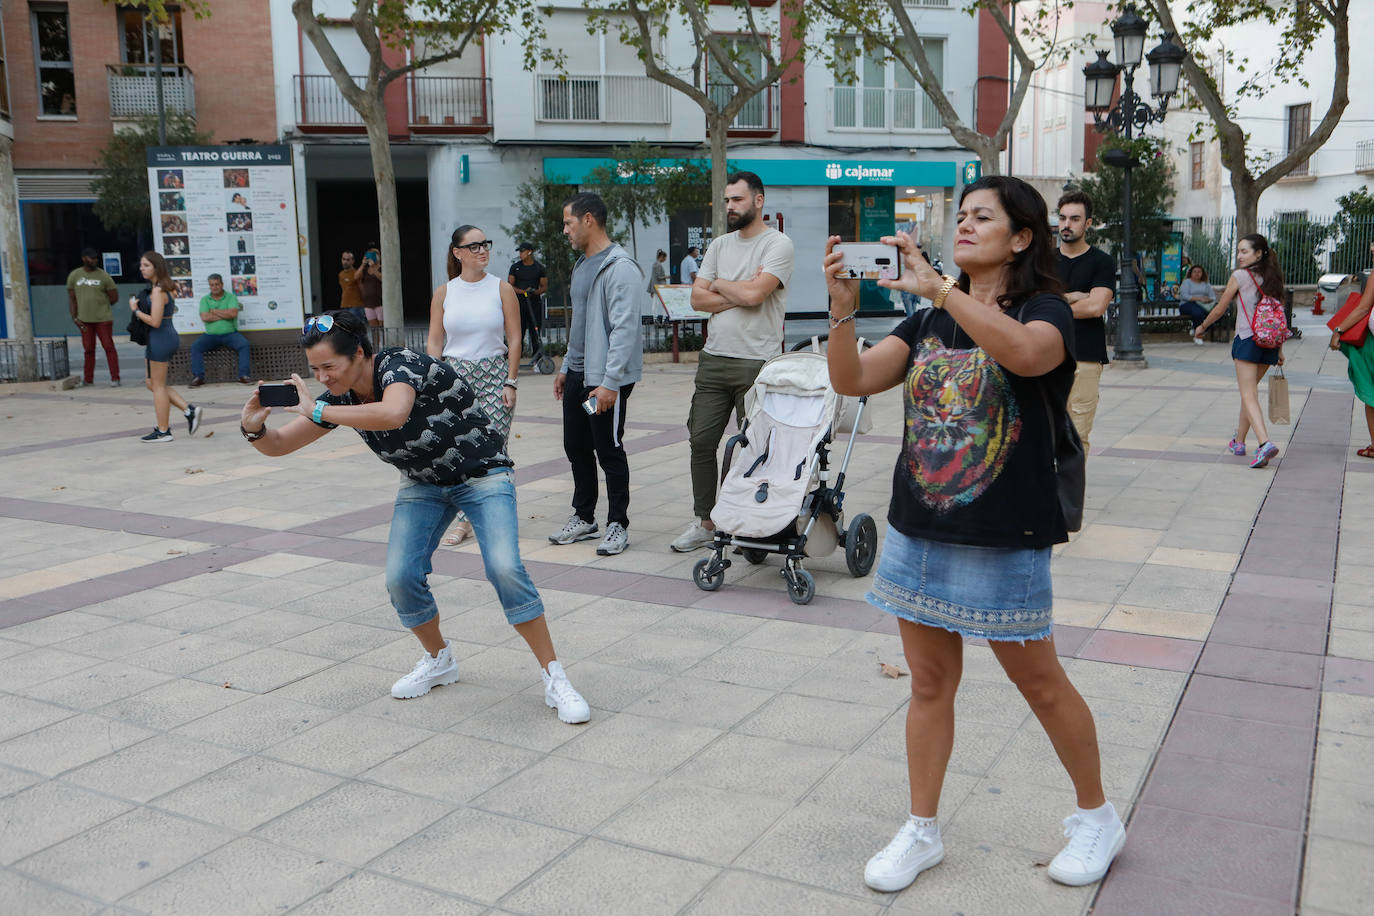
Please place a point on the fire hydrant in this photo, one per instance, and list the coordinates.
(1317, 305)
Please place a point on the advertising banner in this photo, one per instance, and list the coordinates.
(229, 210)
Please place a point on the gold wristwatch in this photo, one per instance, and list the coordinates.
(939, 301)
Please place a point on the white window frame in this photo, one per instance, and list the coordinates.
(39, 65)
(890, 70)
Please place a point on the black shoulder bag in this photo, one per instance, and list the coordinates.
(1070, 464)
(138, 331)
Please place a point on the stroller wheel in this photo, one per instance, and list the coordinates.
(543, 364)
(754, 555)
(861, 545)
(707, 575)
(801, 586)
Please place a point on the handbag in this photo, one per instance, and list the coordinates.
(1278, 399)
(1356, 333)
(1268, 325)
(138, 331)
(1070, 463)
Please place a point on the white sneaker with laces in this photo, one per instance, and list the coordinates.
(431, 671)
(915, 848)
(615, 541)
(559, 694)
(1091, 850)
(696, 536)
(575, 530)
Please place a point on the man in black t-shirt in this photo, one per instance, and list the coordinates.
(1089, 278)
(531, 282)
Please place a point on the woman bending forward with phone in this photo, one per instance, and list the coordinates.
(974, 506)
(416, 414)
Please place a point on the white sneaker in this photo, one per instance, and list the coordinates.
(575, 530)
(696, 536)
(431, 671)
(1091, 849)
(1199, 341)
(615, 541)
(915, 848)
(560, 695)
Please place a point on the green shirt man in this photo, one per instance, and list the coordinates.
(218, 322)
(90, 292)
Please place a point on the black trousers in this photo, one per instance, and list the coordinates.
(529, 319)
(589, 439)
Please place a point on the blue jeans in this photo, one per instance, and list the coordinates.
(422, 515)
(207, 342)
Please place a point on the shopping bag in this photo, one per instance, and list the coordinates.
(1278, 399)
(1355, 334)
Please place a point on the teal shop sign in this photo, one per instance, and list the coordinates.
(973, 171)
(790, 172)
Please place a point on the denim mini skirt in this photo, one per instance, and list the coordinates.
(994, 593)
(1246, 350)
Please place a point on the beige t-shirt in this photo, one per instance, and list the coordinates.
(748, 332)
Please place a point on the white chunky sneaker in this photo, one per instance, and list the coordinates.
(560, 695)
(431, 671)
(615, 541)
(696, 536)
(1091, 849)
(915, 848)
(575, 530)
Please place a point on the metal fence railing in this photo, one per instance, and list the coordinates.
(47, 356)
(1307, 247)
(757, 114)
(608, 98)
(319, 103)
(133, 89)
(449, 101)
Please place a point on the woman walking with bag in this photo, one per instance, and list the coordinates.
(1257, 274)
(1360, 356)
(985, 372)
(154, 307)
(473, 320)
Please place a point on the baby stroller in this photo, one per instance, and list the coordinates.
(541, 363)
(777, 494)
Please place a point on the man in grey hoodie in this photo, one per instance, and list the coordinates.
(604, 360)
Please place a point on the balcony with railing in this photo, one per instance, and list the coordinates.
(435, 104)
(133, 90)
(1303, 171)
(759, 116)
(1364, 155)
(879, 108)
(601, 98)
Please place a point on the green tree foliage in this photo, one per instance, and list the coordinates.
(1355, 229)
(121, 189)
(539, 221)
(647, 184)
(1152, 194)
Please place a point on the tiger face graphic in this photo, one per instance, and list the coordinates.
(962, 422)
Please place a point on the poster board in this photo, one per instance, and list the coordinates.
(677, 302)
(229, 210)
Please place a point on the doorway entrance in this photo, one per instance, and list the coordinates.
(346, 216)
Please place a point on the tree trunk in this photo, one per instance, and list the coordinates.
(19, 271)
(719, 125)
(388, 220)
(1246, 195)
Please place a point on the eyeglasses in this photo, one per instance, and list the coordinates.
(321, 323)
(477, 247)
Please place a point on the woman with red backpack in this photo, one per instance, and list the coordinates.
(1257, 287)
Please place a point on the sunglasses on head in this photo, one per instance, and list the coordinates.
(477, 247)
(321, 323)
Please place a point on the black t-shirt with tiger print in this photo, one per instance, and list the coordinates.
(977, 461)
(447, 438)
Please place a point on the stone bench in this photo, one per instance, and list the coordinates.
(273, 356)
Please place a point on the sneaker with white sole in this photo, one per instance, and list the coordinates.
(157, 435)
(696, 536)
(575, 530)
(559, 694)
(615, 541)
(1264, 454)
(915, 848)
(1091, 850)
(430, 672)
(193, 415)
(1236, 448)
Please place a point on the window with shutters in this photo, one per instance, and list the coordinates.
(602, 80)
(1299, 129)
(1196, 151)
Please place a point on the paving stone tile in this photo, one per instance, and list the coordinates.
(1353, 715)
(1344, 757)
(611, 687)
(1141, 651)
(597, 877)
(268, 628)
(1283, 748)
(247, 876)
(1029, 759)
(187, 653)
(348, 744)
(57, 628)
(22, 714)
(1025, 816)
(647, 745)
(1254, 794)
(1295, 706)
(1341, 810)
(1347, 643)
(524, 721)
(1265, 666)
(753, 667)
(121, 855)
(364, 893)
(976, 744)
(853, 675)
(759, 766)
(26, 895)
(96, 686)
(1156, 622)
(69, 743)
(199, 614)
(115, 642)
(735, 893)
(498, 853)
(571, 794)
(1196, 849)
(343, 686)
(328, 826)
(1128, 723)
(1337, 876)
(813, 721)
(697, 701)
(822, 848)
(1270, 634)
(648, 652)
(263, 670)
(498, 668)
(150, 768)
(796, 638)
(38, 666)
(1128, 891)
(987, 879)
(683, 818)
(13, 781)
(877, 787)
(256, 723)
(457, 768)
(618, 612)
(1347, 675)
(247, 793)
(695, 623)
(48, 813)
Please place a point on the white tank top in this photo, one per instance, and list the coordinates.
(474, 322)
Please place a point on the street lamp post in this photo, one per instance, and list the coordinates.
(1131, 111)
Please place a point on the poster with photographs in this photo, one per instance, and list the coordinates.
(229, 210)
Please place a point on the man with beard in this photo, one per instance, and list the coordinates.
(1089, 277)
(743, 284)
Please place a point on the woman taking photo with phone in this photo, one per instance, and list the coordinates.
(419, 416)
(975, 510)
(473, 320)
(155, 307)
(1257, 273)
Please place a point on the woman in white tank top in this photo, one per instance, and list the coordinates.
(471, 317)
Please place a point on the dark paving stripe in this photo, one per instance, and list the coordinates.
(1220, 825)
